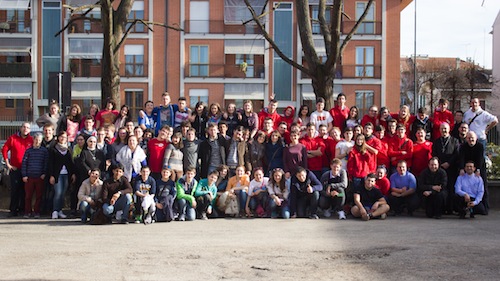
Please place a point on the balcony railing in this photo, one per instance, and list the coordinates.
(15, 26)
(218, 27)
(365, 28)
(224, 71)
(18, 69)
(92, 69)
(355, 72)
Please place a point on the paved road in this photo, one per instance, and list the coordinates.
(399, 248)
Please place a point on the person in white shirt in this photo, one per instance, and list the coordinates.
(480, 121)
(321, 116)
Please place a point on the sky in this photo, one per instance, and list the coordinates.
(450, 28)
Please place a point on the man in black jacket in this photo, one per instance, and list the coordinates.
(212, 151)
(432, 187)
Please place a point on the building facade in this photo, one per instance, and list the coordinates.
(215, 59)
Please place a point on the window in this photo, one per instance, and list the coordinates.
(9, 103)
(199, 16)
(137, 12)
(197, 95)
(198, 63)
(314, 18)
(134, 60)
(365, 61)
(368, 24)
(235, 11)
(249, 71)
(135, 100)
(364, 99)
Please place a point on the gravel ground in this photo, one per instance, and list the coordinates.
(399, 248)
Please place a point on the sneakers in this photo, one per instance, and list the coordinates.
(314, 217)
(61, 215)
(341, 215)
(37, 215)
(209, 210)
(327, 213)
(204, 216)
(148, 219)
(26, 216)
(55, 215)
(182, 217)
(366, 217)
(383, 216)
(118, 215)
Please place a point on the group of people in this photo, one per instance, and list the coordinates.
(182, 164)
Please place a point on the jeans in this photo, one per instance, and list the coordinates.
(283, 209)
(305, 199)
(86, 210)
(17, 191)
(60, 188)
(186, 210)
(242, 199)
(122, 204)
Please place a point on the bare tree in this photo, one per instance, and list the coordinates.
(116, 27)
(321, 73)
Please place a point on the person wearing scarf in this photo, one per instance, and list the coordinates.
(132, 157)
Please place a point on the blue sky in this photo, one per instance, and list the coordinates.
(450, 28)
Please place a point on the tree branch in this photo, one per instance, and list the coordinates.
(271, 41)
(147, 24)
(81, 17)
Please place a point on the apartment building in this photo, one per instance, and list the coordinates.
(215, 59)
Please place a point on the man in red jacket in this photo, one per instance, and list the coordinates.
(340, 112)
(17, 144)
(315, 150)
(400, 148)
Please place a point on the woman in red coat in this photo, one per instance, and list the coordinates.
(422, 152)
(360, 163)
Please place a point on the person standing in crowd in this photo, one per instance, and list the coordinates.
(360, 162)
(371, 116)
(214, 113)
(400, 148)
(480, 121)
(165, 113)
(473, 151)
(441, 115)
(340, 112)
(250, 119)
(383, 117)
(70, 123)
(156, 152)
(404, 117)
(173, 157)
(288, 116)
(432, 189)
(199, 120)
(446, 150)
(93, 110)
(183, 113)
(231, 117)
(107, 115)
(458, 117)
(145, 119)
(257, 150)
(369, 202)
(88, 127)
(132, 157)
(51, 117)
(422, 120)
(294, 155)
(270, 112)
(422, 152)
(212, 151)
(61, 171)
(237, 151)
(274, 151)
(353, 118)
(279, 190)
(17, 144)
(344, 147)
(463, 129)
(315, 149)
(321, 116)
(303, 118)
(33, 170)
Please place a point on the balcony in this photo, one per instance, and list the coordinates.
(224, 71)
(355, 72)
(18, 69)
(218, 27)
(92, 68)
(365, 28)
(15, 26)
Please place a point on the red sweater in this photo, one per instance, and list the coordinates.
(17, 145)
(384, 185)
(339, 116)
(359, 165)
(263, 114)
(401, 121)
(314, 163)
(441, 117)
(367, 119)
(396, 147)
(422, 153)
(156, 151)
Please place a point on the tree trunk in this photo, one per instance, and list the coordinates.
(322, 84)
